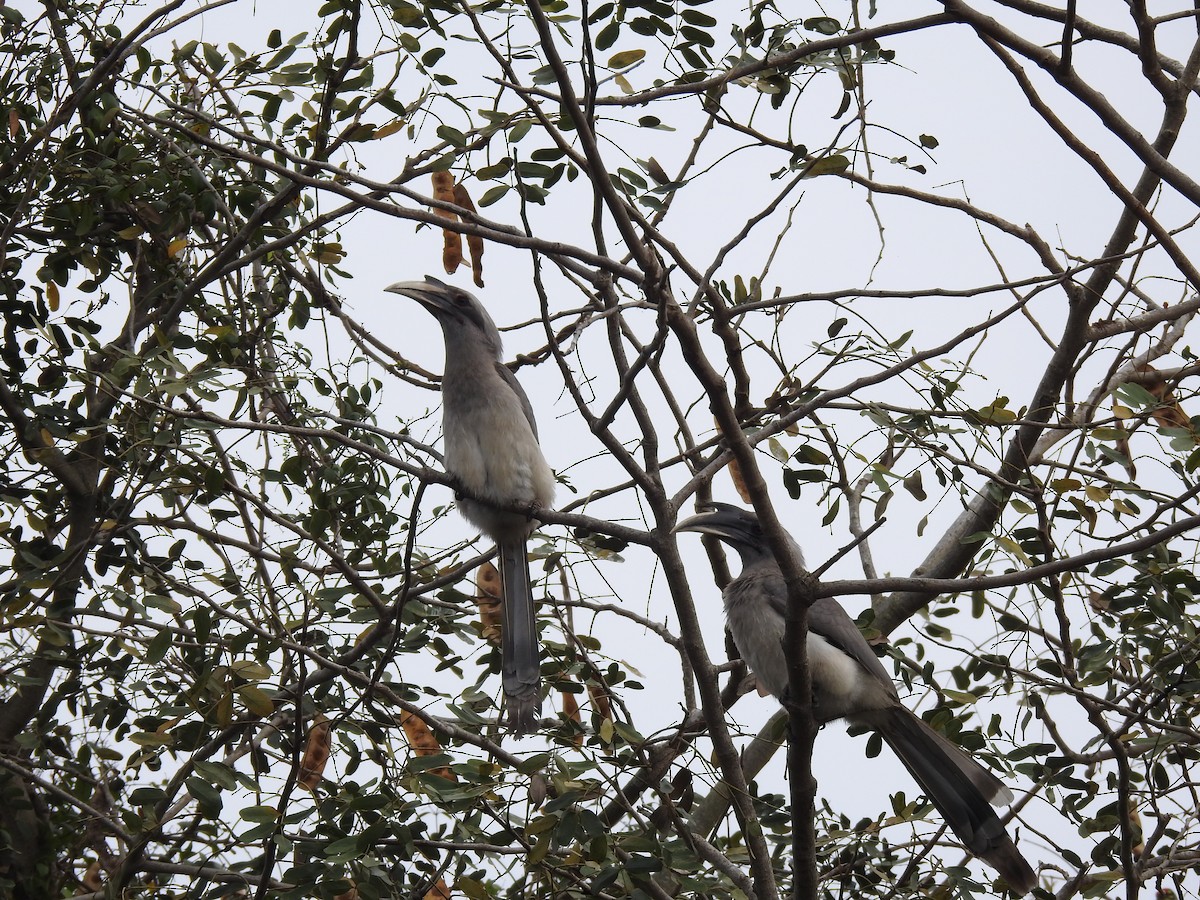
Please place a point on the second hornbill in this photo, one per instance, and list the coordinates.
(492, 450)
(849, 681)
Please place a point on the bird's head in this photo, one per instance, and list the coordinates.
(457, 310)
(737, 527)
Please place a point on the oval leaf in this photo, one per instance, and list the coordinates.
(625, 58)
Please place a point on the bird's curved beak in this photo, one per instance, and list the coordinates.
(427, 293)
(720, 521)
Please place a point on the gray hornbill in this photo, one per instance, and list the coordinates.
(492, 450)
(849, 681)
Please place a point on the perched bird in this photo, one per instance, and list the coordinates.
(849, 681)
(492, 450)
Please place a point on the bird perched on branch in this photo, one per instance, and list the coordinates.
(849, 681)
(492, 450)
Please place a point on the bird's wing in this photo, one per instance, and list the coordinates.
(827, 618)
(511, 380)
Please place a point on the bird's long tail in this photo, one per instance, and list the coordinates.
(960, 788)
(519, 658)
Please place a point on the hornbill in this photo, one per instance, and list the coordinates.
(849, 682)
(492, 451)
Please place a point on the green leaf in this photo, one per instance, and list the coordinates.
(1014, 548)
(543, 75)
(630, 734)
(345, 848)
(250, 669)
(257, 701)
(654, 122)
(491, 195)
(452, 135)
(158, 647)
(603, 11)
(540, 849)
(151, 739)
(996, 413)
(406, 14)
(874, 745)
(912, 484)
(541, 824)
(216, 773)
(813, 475)
(608, 35)
(699, 19)
(1137, 396)
(625, 58)
(213, 57)
(203, 791)
(812, 456)
(882, 505)
(260, 814)
(823, 25)
(697, 36)
(492, 172)
(147, 796)
(270, 111)
(792, 484)
(827, 165)
(964, 697)
(640, 863)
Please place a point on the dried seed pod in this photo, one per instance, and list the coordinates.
(474, 241)
(735, 473)
(423, 741)
(316, 753)
(601, 702)
(452, 254)
(570, 708)
(1170, 414)
(487, 584)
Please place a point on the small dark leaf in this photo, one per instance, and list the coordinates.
(912, 484)
(827, 165)
(608, 35)
(491, 195)
(452, 135)
(823, 25)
